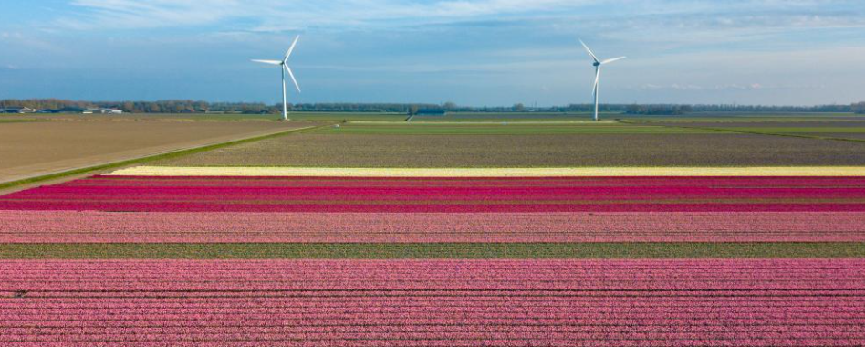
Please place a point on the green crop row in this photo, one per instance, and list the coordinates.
(433, 250)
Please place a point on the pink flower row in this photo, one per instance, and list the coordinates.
(432, 302)
(207, 227)
(708, 341)
(443, 275)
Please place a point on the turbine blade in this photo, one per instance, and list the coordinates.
(271, 62)
(291, 49)
(290, 74)
(590, 51)
(611, 60)
(597, 81)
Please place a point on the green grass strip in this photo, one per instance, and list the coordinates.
(754, 131)
(432, 250)
(502, 128)
(6, 121)
(147, 159)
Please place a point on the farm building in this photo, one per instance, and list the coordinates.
(17, 110)
(102, 111)
(431, 113)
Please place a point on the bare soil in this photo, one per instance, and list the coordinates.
(548, 150)
(52, 145)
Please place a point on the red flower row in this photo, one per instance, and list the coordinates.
(289, 194)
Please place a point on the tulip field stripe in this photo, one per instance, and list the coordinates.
(437, 208)
(432, 250)
(446, 195)
(437, 302)
(495, 172)
(458, 182)
(253, 227)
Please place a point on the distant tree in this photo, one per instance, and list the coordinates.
(201, 106)
(128, 106)
(253, 107)
(858, 107)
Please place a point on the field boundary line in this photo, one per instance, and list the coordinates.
(779, 171)
(750, 132)
(148, 158)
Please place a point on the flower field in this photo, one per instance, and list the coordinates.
(446, 195)
(323, 209)
(253, 227)
(314, 257)
(766, 302)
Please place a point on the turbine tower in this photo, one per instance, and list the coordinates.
(597, 64)
(283, 64)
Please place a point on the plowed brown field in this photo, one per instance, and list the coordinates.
(34, 148)
(531, 150)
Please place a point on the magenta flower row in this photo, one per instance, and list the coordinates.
(447, 195)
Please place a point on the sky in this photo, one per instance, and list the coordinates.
(472, 52)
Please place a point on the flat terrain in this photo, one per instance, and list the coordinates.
(847, 129)
(528, 145)
(45, 145)
(432, 302)
(475, 217)
(851, 125)
(682, 231)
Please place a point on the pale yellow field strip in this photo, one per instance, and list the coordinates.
(493, 172)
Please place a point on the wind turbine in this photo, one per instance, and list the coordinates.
(283, 64)
(597, 64)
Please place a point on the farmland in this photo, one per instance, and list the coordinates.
(34, 227)
(42, 145)
(527, 145)
(531, 229)
(433, 302)
(447, 195)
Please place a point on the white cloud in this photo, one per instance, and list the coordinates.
(275, 15)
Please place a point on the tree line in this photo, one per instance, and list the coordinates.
(198, 106)
(858, 107)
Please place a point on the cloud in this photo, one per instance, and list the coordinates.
(273, 15)
(685, 48)
(299, 14)
(721, 87)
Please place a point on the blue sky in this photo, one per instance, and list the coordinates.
(472, 52)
